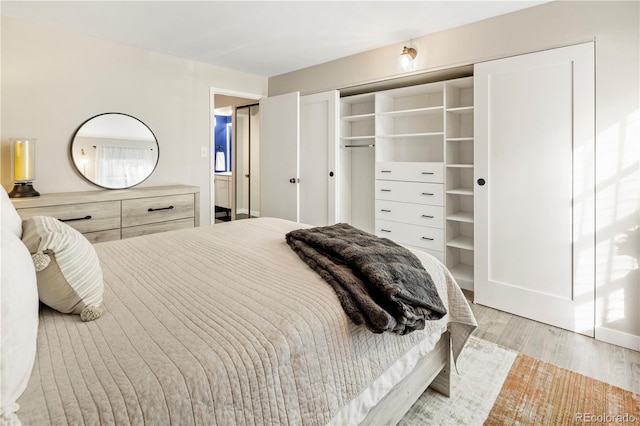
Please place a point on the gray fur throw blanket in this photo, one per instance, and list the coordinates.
(380, 284)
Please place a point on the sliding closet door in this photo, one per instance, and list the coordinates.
(318, 142)
(534, 195)
(279, 156)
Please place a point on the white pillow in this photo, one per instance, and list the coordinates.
(18, 322)
(10, 217)
(67, 266)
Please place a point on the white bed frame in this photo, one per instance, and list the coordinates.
(433, 370)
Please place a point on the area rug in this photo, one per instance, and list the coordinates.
(498, 386)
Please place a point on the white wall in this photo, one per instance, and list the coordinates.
(615, 28)
(54, 80)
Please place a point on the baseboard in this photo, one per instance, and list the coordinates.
(619, 338)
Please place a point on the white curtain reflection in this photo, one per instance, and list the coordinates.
(119, 167)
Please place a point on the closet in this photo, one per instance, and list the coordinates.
(406, 169)
(298, 157)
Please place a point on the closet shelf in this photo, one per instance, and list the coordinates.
(411, 135)
(461, 242)
(461, 110)
(356, 138)
(462, 272)
(461, 217)
(359, 117)
(460, 165)
(413, 112)
(460, 191)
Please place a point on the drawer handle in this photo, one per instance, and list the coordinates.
(385, 230)
(385, 171)
(385, 210)
(427, 238)
(75, 218)
(385, 190)
(427, 216)
(427, 193)
(159, 208)
(427, 173)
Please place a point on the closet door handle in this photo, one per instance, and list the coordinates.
(427, 216)
(87, 217)
(427, 238)
(427, 173)
(159, 208)
(427, 193)
(385, 230)
(385, 171)
(385, 190)
(385, 210)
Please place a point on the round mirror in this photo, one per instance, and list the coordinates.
(114, 150)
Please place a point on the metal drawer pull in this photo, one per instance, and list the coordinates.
(385, 190)
(427, 193)
(427, 216)
(385, 230)
(385, 210)
(75, 218)
(427, 238)
(160, 208)
(427, 173)
(385, 171)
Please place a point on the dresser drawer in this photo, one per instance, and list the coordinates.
(415, 214)
(413, 235)
(410, 192)
(84, 217)
(102, 236)
(142, 211)
(153, 228)
(409, 171)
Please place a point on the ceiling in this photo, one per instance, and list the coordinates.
(265, 38)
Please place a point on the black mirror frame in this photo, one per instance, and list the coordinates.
(75, 167)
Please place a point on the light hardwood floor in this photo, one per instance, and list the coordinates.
(585, 355)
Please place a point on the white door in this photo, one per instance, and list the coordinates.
(534, 194)
(279, 156)
(318, 162)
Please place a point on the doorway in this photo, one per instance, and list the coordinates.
(226, 169)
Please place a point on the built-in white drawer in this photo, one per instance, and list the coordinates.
(410, 171)
(415, 214)
(413, 235)
(410, 192)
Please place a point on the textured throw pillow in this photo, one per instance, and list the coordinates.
(18, 323)
(10, 217)
(67, 266)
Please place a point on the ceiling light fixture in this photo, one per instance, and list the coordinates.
(407, 56)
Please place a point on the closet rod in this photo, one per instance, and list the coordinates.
(358, 146)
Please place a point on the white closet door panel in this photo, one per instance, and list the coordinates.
(279, 156)
(318, 140)
(534, 216)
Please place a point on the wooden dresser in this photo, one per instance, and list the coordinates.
(106, 215)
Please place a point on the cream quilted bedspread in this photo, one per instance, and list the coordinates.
(214, 325)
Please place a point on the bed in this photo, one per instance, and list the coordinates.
(226, 325)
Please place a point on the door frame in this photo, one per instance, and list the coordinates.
(211, 149)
